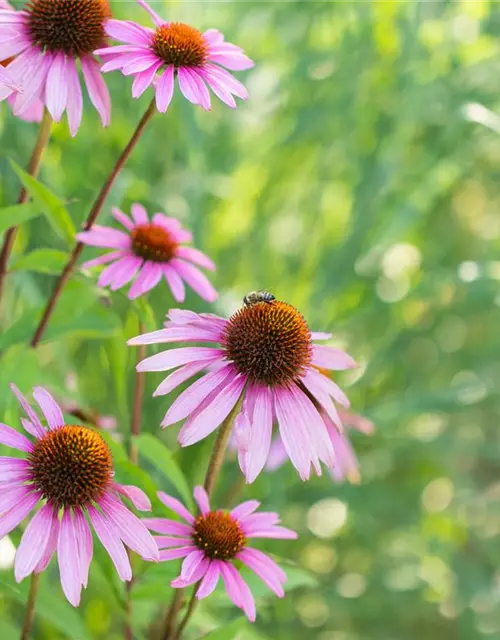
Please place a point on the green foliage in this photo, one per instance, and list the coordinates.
(17, 214)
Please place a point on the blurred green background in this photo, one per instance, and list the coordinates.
(360, 182)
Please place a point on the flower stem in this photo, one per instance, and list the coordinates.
(94, 212)
(213, 471)
(135, 430)
(32, 169)
(29, 615)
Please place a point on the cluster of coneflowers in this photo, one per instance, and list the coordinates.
(260, 372)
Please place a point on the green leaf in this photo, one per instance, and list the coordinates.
(48, 261)
(161, 458)
(231, 631)
(50, 605)
(8, 631)
(51, 205)
(17, 214)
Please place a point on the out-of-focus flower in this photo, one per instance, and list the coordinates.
(68, 471)
(346, 462)
(211, 542)
(153, 250)
(35, 112)
(45, 41)
(176, 51)
(266, 351)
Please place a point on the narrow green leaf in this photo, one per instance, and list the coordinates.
(51, 205)
(48, 261)
(231, 631)
(161, 458)
(17, 214)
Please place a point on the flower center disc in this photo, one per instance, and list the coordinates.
(72, 466)
(181, 45)
(218, 535)
(269, 342)
(73, 27)
(153, 242)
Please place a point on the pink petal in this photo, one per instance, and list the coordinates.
(190, 399)
(32, 88)
(75, 99)
(233, 61)
(49, 407)
(174, 554)
(98, 91)
(195, 279)
(51, 545)
(179, 376)
(277, 455)
(104, 237)
(267, 577)
(12, 438)
(13, 469)
(203, 423)
(296, 446)
(195, 256)
(176, 506)
(188, 87)
(158, 20)
(165, 89)
(85, 545)
(112, 543)
(141, 62)
(320, 393)
(165, 542)
(238, 590)
(10, 519)
(144, 79)
(10, 495)
(213, 36)
(196, 575)
(245, 509)
(136, 496)
(219, 89)
(202, 499)
(177, 357)
(184, 333)
(130, 529)
(106, 257)
(165, 526)
(149, 276)
(33, 543)
(259, 521)
(261, 432)
(30, 428)
(128, 31)
(175, 283)
(210, 580)
(191, 563)
(37, 425)
(278, 533)
(122, 218)
(330, 358)
(68, 559)
(320, 335)
(199, 87)
(139, 214)
(264, 560)
(125, 270)
(56, 87)
(226, 81)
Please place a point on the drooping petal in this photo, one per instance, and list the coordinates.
(165, 89)
(111, 542)
(56, 87)
(278, 533)
(33, 543)
(261, 432)
(144, 79)
(197, 87)
(51, 545)
(10, 519)
(149, 276)
(33, 89)
(128, 31)
(198, 282)
(175, 283)
(98, 91)
(105, 237)
(12, 438)
(179, 376)
(106, 257)
(183, 333)
(292, 434)
(238, 590)
(268, 577)
(167, 542)
(136, 496)
(10, 495)
(85, 545)
(210, 580)
(277, 455)
(174, 554)
(12, 469)
(50, 409)
(75, 99)
(69, 559)
(330, 358)
(226, 80)
(195, 256)
(176, 506)
(178, 357)
(191, 563)
(120, 273)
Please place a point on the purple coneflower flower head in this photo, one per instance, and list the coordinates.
(346, 462)
(173, 50)
(213, 540)
(35, 112)
(151, 249)
(68, 472)
(47, 39)
(267, 351)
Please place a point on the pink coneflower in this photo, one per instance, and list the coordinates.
(174, 49)
(210, 542)
(346, 462)
(68, 471)
(35, 112)
(151, 249)
(47, 39)
(267, 351)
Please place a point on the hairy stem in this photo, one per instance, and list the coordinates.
(29, 614)
(94, 212)
(213, 471)
(32, 169)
